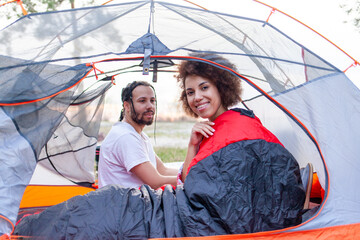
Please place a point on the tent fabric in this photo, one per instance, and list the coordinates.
(21, 158)
(42, 126)
(52, 90)
(340, 112)
(252, 185)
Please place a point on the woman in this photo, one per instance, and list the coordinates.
(241, 163)
(238, 178)
(207, 93)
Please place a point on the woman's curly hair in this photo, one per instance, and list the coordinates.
(228, 85)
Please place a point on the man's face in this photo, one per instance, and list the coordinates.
(144, 101)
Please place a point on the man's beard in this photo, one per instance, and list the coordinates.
(139, 118)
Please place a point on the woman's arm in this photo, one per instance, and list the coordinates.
(191, 152)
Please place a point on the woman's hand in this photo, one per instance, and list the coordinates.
(199, 131)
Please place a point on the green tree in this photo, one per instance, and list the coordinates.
(34, 6)
(352, 9)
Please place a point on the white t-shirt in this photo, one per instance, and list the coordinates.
(123, 149)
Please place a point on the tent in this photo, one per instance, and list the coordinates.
(56, 67)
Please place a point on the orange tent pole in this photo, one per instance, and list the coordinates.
(107, 2)
(195, 4)
(7, 2)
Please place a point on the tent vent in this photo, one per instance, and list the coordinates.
(148, 45)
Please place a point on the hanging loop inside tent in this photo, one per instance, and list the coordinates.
(155, 70)
(272, 11)
(95, 69)
(22, 7)
(146, 66)
(352, 65)
(112, 80)
(109, 78)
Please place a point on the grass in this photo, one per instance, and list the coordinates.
(171, 140)
(171, 154)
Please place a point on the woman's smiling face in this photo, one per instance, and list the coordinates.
(203, 97)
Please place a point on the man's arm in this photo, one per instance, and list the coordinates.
(150, 176)
(163, 170)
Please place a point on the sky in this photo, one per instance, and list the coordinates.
(324, 16)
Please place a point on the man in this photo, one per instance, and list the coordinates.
(127, 157)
